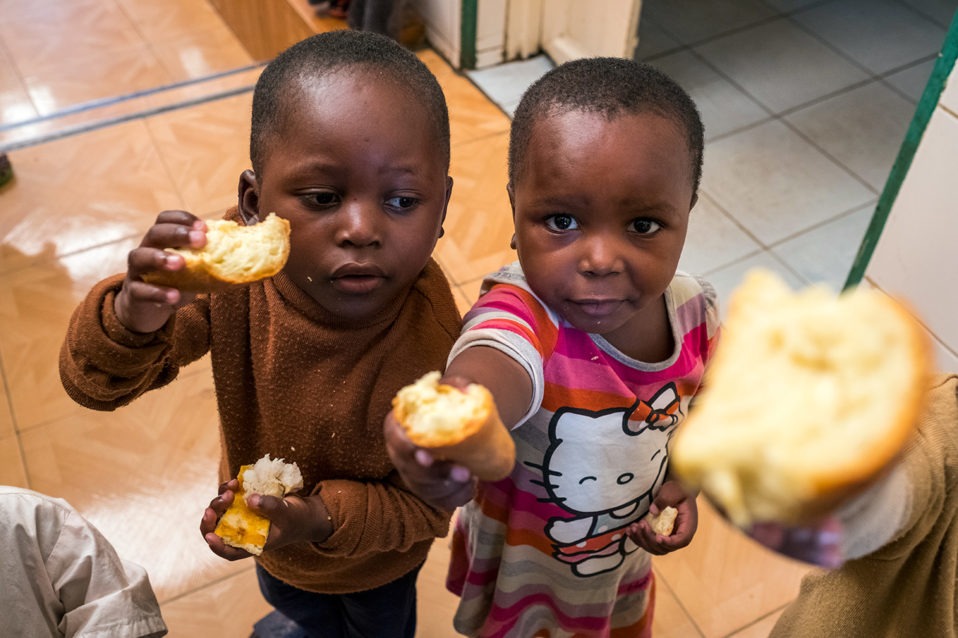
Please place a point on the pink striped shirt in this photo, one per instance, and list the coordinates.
(544, 551)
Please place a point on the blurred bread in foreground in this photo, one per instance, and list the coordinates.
(239, 526)
(456, 425)
(809, 397)
(234, 254)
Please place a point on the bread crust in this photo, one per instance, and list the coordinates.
(801, 471)
(240, 526)
(234, 255)
(480, 443)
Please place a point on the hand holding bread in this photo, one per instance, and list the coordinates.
(234, 254)
(809, 397)
(239, 526)
(460, 425)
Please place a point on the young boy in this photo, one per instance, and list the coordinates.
(350, 143)
(593, 347)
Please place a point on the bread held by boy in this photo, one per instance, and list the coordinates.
(808, 398)
(233, 254)
(240, 526)
(462, 426)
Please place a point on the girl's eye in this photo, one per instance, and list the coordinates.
(561, 222)
(401, 202)
(645, 226)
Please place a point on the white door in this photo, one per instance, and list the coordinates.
(572, 29)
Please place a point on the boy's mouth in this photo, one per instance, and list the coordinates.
(357, 279)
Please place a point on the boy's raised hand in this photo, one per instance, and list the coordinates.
(143, 307)
(442, 484)
(293, 519)
(686, 521)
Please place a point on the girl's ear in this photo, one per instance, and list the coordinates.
(512, 205)
(248, 196)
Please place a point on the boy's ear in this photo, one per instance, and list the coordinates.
(445, 205)
(248, 195)
(695, 200)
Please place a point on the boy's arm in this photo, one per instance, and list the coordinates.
(377, 516)
(103, 365)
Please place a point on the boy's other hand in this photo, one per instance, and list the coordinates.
(293, 519)
(686, 521)
(819, 544)
(442, 484)
(211, 517)
(143, 307)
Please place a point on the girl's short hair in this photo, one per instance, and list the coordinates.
(610, 87)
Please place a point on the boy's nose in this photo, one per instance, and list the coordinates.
(358, 224)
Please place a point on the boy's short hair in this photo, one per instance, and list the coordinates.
(282, 81)
(608, 86)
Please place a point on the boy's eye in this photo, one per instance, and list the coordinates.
(561, 222)
(323, 199)
(645, 226)
(401, 202)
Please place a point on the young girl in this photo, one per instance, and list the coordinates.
(349, 143)
(593, 347)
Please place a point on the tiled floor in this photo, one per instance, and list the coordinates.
(113, 110)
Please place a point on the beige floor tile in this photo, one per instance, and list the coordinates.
(200, 54)
(166, 20)
(437, 605)
(15, 102)
(760, 628)
(82, 80)
(725, 580)
(143, 475)
(205, 148)
(83, 191)
(223, 609)
(670, 619)
(67, 31)
(12, 471)
(7, 427)
(479, 221)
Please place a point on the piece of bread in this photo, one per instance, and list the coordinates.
(664, 522)
(809, 397)
(239, 526)
(233, 254)
(456, 425)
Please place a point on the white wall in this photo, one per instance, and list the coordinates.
(916, 258)
(443, 19)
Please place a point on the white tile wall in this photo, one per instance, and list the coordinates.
(916, 258)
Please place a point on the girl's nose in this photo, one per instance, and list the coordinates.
(600, 257)
(358, 224)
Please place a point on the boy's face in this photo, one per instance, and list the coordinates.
(601, 211)
(358, 175)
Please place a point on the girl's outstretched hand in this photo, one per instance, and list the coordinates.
(686, 521)
(441, 484)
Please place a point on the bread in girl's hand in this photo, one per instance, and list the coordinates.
(233, 254)
(239, 526)
(462, 426)
(809, 397)
(664, 522)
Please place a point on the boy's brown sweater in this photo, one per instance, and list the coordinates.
(908, 587)
(296, 383)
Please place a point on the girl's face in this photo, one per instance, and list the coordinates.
(601, 211)
(357, 174)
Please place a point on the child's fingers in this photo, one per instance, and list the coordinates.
(221, 549)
